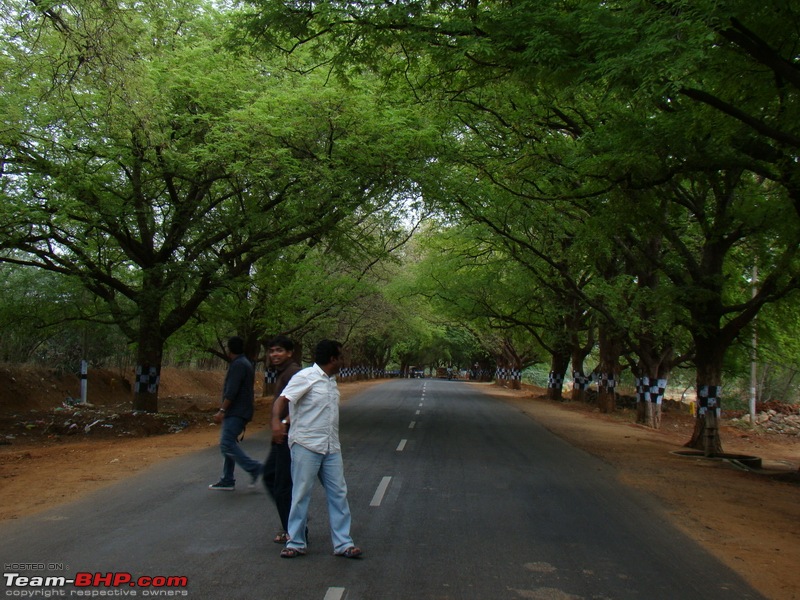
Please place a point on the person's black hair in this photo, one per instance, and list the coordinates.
(281, 341)
(327, 350)
(236, 345)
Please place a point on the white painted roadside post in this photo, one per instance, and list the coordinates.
(84, 380)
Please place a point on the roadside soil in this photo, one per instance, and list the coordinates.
(52, 451)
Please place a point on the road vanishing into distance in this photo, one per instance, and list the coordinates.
(454, 495)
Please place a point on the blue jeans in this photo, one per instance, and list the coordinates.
(306, 466)
(232, 428)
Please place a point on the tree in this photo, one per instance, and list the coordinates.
(732, 62)
(777, 352)
(584, 66)
(469, 286)
(327, 287)
(47, 319)
(155, 166)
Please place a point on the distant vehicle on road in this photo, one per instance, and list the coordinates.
(446, 372)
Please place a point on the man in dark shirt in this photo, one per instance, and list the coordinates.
(234, 414)
(278, 466)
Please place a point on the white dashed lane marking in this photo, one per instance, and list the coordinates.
(379, 493)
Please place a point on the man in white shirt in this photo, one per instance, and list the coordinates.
(313, 399)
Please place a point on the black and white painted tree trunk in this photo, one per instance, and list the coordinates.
(559, 361)
(706, 436)
(650, 395)
(149, 355)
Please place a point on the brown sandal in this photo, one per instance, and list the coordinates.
(281, 538)
(351, 552)
(291, 552)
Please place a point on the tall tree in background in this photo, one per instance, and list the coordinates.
(714, 87)
(312, 289)
(471, 285)
(145, 160)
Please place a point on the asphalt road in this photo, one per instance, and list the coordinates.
(454, 495)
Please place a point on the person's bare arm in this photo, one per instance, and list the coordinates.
(278, 426)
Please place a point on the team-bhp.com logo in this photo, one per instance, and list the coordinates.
(94, 585)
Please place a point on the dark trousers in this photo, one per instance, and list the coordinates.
(278, 480)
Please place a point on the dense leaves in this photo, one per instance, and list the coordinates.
(601, 171)
(159, 174)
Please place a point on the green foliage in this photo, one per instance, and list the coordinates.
(166, 169)
(777, 354)
(50, 320)
(616, 164)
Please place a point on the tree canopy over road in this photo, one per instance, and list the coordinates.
(588, 185)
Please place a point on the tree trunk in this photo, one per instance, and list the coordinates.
(498, 375)
(509, 364)
(516, 375)
(607, 392)
(609, 369)
(270, 378)
(516, 379)
(706, 426)
(580, 383)
(641, 417)
(652, 416)
(503, 375)
(148, 365)
(555, 382)
(709, 376)
(578, 354)
(650, 395)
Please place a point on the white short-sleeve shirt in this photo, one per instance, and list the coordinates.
(314, 410)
